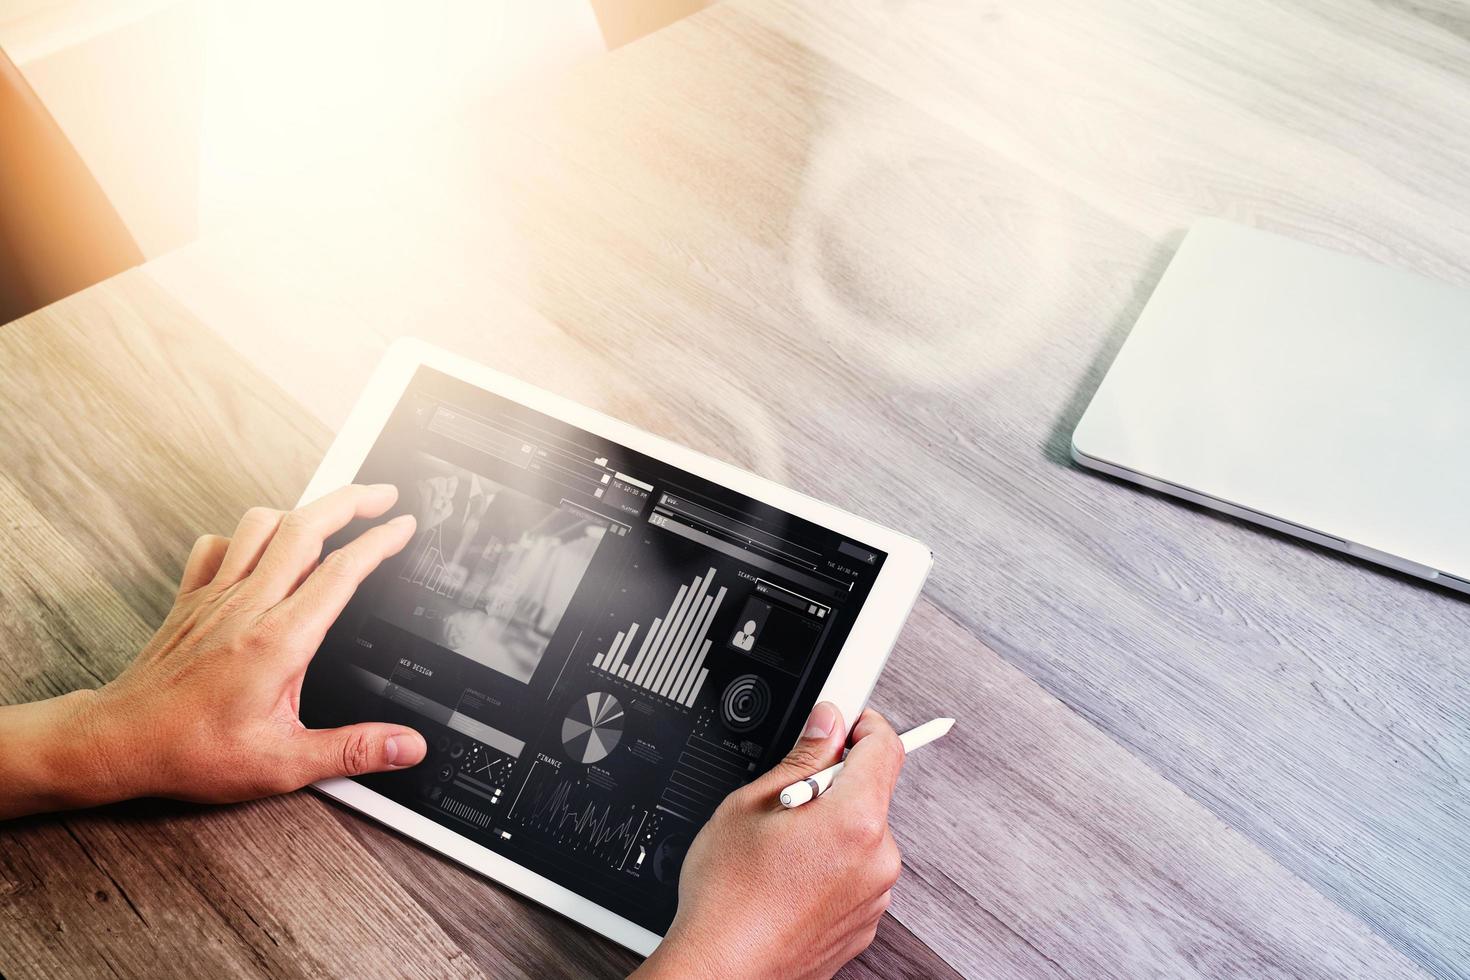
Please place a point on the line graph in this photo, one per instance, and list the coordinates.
(578, 815)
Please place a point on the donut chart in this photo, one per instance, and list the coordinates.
(745, 702)
(592, 728)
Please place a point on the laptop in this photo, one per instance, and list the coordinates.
(1322, 395)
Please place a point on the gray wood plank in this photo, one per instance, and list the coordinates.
(897, 954)
(1052, 851)
(149, 889)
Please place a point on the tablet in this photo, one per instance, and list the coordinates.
(599, 633)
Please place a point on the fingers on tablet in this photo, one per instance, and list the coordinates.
(354, 750)
(326, 591)
(297, 541)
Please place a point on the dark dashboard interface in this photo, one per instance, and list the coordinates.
(597, 646)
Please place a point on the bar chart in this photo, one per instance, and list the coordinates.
(670, 661)
(427, 566)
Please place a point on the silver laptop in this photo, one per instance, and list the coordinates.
(1322, 395)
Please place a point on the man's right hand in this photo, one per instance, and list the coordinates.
(767, 891)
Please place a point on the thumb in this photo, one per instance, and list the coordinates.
(356, 749)
(820, 746)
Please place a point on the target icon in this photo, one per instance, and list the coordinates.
(745, 703)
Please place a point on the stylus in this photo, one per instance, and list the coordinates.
(814, 786)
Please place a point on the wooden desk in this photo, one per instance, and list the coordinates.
(882, 252)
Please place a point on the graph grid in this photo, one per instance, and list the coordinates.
(670, 662)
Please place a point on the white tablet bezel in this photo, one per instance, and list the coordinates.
(848, 685)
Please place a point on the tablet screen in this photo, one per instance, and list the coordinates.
(598, 646)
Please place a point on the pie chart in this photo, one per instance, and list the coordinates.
(592, 728)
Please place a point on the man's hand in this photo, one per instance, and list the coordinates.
(768, 891)
(208, 711)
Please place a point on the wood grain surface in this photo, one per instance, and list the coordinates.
(884, 254)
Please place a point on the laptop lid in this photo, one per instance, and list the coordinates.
(1321, 394)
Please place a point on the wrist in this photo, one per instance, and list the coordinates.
(80, 751)
(50, 759)
(669, 962)
(681, 957)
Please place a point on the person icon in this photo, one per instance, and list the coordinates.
(744, 639)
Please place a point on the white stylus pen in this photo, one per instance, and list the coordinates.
(814, 786)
